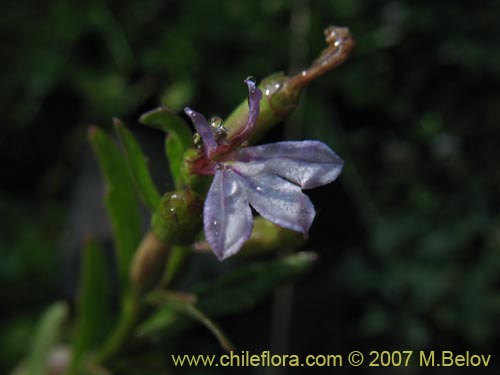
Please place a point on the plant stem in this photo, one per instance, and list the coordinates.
(130, 311)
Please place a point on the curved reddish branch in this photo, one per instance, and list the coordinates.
(340, 45)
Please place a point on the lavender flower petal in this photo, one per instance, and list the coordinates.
(204, 130)
(227, 216)
(307, 163)
(279, 201)
(254, 97)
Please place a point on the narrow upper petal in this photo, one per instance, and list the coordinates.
(204, 130)
(227, 217)
(279, 201)
(306, 163)
(254, 97)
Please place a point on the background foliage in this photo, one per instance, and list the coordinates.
(409, 237)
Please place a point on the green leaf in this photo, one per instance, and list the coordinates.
(93, 310)
(174, 150)
(178, 140)
(238, 291)
(185, 305)
(198, 315)
(46, 336)
(244, 288)
(120, 200)
(138, 166)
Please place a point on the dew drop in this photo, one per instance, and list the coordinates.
(259, 188)
(271, 88)
(197, 140)
(218, 129)
(215, 122)
(221, 133)
(251, 79)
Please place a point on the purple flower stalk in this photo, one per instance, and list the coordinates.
(270, 178)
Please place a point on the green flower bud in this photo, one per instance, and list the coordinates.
(268, 238)
(178, 217)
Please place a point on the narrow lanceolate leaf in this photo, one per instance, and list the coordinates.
(46, 336)
(246, 287)
(120, 200)
(236, 292)
(174, 150)
(138, 166)
(178, 140)
(185, 305)
(93, 305)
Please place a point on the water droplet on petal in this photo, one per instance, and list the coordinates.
(259, 188)
(251, 79)
(218, 129)
(197, 140)
(215, 122)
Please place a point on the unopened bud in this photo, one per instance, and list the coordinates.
(149, 262)
(178, 218)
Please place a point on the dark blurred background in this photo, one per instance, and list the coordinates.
(408, 237)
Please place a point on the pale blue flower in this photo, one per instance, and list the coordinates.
(270, 178)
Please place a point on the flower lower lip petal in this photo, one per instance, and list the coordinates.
(279, 201)
(270, 178)
(227, 216)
